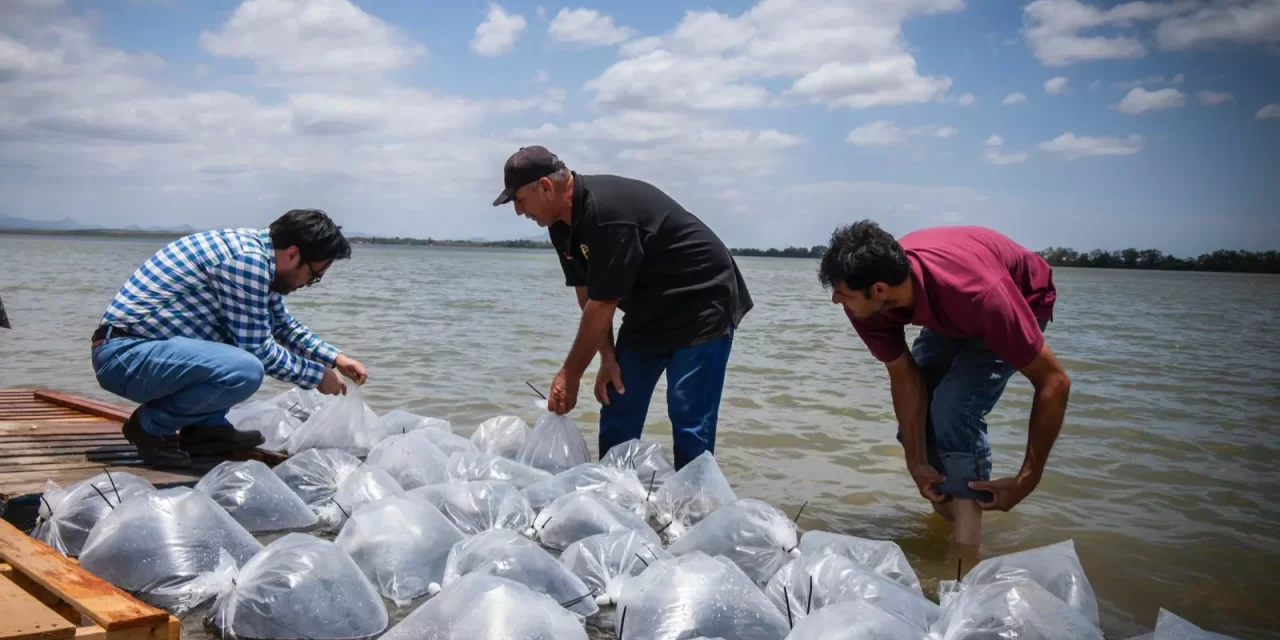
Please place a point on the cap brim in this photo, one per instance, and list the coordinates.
(504, 197)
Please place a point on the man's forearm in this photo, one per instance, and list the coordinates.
(910, 402)
(595, 327)
(1048, 409)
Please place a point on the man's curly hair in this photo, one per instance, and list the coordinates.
(862, 254)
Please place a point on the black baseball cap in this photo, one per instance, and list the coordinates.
(525, 166)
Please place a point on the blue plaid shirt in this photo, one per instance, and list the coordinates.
(216, 286)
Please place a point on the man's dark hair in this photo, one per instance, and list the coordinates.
(862, 254)
(315, 235)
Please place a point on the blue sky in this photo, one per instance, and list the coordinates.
(1060, 122)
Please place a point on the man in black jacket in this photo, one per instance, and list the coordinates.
(624, 244)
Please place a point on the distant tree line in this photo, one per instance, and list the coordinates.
(432, 242)
(815, 251)
(1221, 260)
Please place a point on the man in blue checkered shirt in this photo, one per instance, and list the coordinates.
(195, 329)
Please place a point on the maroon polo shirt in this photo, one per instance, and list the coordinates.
(969, 282)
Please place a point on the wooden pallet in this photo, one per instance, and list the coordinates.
(45, 595)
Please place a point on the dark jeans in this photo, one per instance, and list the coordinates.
(965, 380)
(695, 379)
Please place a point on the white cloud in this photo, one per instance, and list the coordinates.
(1072, 146)
(966, 99)
(1056, 85)
(1015, 98)
(881, 133)
(1268, 112)
(587, 27)
(498, 33)
(1236, 21)
(1052, 29)
(945, 132)
(541, 76)
(1149, 80)
(1215, 97)
(993, 155)
(1139, 100)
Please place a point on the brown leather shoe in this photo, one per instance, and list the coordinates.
(157, 451)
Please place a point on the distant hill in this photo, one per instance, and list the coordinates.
(71, 224)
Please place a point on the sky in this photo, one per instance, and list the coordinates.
(1058, 122)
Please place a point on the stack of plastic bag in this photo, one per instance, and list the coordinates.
(645, 459)
(580, 514)
(605, 561)
(1011, 607)
(400, 422)
(412, 459)
(689, 495)
(257, 498)
(881, 556)
(345, 422)
(466, 467)
(755, 535)
(1054, 567)
(858, 620)
(300, 587)
(301, 404)
(555, 444)
(66, 516)
(810, 583)
(696, 595)
(485, 607)
(173, 548)
(476, 507)
(617, 486)
(274, 422)
(448, 441)
(402, 546)
(363, 485)
(507, 554)
(1171, 627)
(501, 436)
(315, 474)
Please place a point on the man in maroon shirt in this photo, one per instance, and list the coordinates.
(982, 302)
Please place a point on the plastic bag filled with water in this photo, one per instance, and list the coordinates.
(577, 515)
(315, 474)
(301, 404)
(1172, 627)
(345, 422)
(1012, 607)
(363, 485)
(755, 535)
(300, 587)
(884, 557)
(449, 442)
(476, 507)
(167, 547)
(469, 466)
(555, 444)
(501, 436)
(484, 607)
(411, 458)
(809, 583)
(76, 509)
(617, 486)
(697, 595)
(646, 459)
(1055, 567)
(507, 554)
(605, 561)
(690, 494)
(857, 620)
(401, 545)
(275, 423)
(400, 422)
(257, 498)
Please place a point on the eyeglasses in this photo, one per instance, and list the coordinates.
(315, 277)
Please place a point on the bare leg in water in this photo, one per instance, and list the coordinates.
(965, 517)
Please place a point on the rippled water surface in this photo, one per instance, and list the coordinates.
(1165, 474)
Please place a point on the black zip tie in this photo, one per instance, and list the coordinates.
(570, 603)
(47, 505)
(790, 623)
(959, 563)
(646, 563)
(535, 390)
(622, 622)
(664, 527)
(104, 496)
(649, 549)
(344, 511)
(652, 477)
(796, 519)
(114, 487)
(809, 605)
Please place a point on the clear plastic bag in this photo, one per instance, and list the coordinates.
(809, 583)
(577, 515)
(755, 535)
(507, 554)
(884, 557)
(345, 422)
(555, 444)
(450, 443)
(605, 561)
(400, 422)
(257, 498)
(302, 404)
(76, 509)
(501, 436)
(300, 587)
(646, 459)
(617, 486)
(365, 484)
(696, 595)
(476, 507)
(1055, 567)
(412, 459)
(1172, 627)
(1011, 607)
(484, 607)
(274, 422)
(171, 548)
(470, 466)
(401, 545)
(315, 474)
(856, 620)
(689, 495)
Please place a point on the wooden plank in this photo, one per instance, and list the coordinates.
(108, 607)
(85, 405)
(41, 594)
(103, 446)
(22, 617)
(37, 428)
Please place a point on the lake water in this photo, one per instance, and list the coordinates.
(1164, 474)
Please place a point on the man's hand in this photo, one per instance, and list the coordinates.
(331, 384)
(564, 393)
(609, 372)
(929, 482)
(351, 368)
(1006, 492)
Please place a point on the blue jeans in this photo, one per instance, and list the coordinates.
(178, 382)
(695, 379)
(965, 380)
